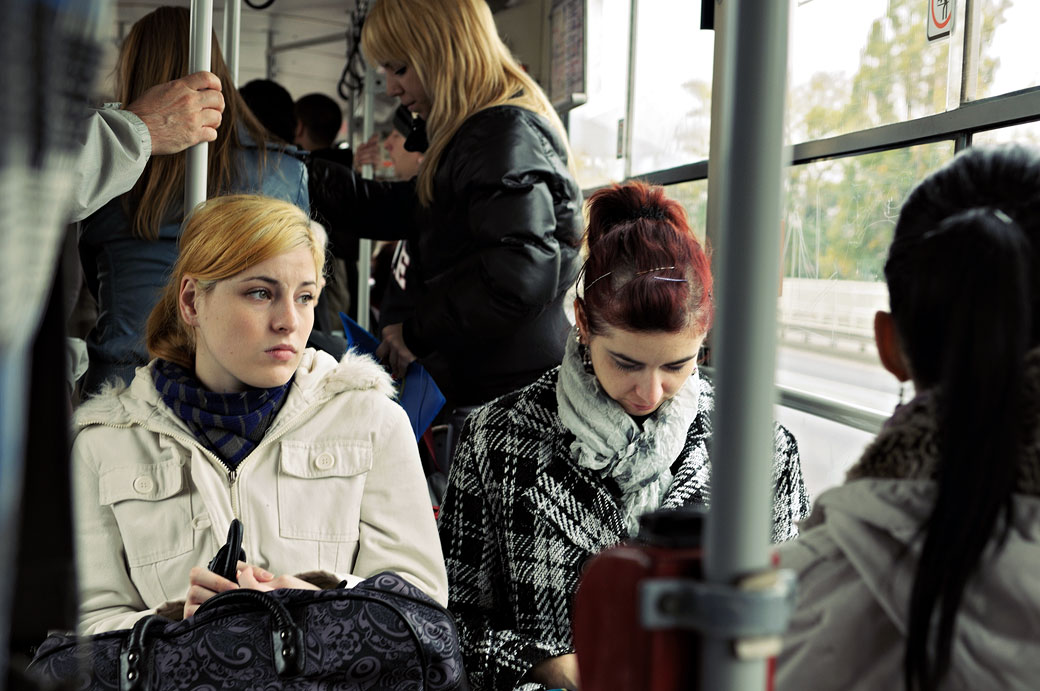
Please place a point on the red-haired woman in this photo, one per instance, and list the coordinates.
(550, 475)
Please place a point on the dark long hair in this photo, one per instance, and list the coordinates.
(963, 289)
(156, 51)
(646, 270)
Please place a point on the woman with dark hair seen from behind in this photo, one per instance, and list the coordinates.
(128, 247)
(550, 475)
(920, 572)
(493, 218)
(235, 417)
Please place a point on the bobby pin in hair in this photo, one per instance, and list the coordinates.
(656, 268)
(640, 273)
(594, 282)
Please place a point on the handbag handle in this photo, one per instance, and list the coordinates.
(133, 671)
(286, 636)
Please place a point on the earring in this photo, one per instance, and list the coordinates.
(586, 357)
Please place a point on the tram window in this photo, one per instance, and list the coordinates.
(672, 106)
(693, 196)
(879, 67)
(838, 222)
(1008, 47)
(594, 126)
(1028, 134)
(837, 227)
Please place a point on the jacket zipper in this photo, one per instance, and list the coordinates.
(232, 474)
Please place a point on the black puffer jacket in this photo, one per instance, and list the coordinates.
(491, 257)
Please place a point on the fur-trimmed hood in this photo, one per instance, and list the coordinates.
(907, 449)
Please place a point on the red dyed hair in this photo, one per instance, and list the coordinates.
(634, 233)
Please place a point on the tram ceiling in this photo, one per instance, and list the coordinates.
(309, 66)
(336, 11)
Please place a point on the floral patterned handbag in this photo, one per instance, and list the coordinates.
(384, 633)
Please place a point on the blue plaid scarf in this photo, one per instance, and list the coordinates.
(228, 424)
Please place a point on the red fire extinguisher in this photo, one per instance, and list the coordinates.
(639, 609)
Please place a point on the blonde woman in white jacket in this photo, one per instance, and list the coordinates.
(236, 418)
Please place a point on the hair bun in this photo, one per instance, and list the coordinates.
(622, 205)
(652, 212)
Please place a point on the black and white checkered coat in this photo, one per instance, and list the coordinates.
(521, 517)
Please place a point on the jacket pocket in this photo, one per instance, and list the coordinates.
(152, 507)
(320, 487)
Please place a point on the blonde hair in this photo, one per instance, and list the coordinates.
(224, 237)
(455, 50)
(154, 52)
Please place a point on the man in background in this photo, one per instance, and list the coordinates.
(318, 122)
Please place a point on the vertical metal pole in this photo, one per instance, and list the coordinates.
(630, 100)
(749, 182)
(270, 55)
(972, 33)
(717, 141)
(14, 414)
(232, 36)
(956, 57)
(199, 59)
(365, 245)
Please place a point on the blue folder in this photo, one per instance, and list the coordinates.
(417, 393)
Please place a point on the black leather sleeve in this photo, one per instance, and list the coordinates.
(345, 202)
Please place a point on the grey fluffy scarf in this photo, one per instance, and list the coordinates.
(609, 442)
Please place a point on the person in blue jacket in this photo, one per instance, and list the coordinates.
(129, 246)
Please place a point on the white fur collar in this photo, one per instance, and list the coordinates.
(356, 371)
(907, 449)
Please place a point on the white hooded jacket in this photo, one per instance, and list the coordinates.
(856, 559)
(335, 485)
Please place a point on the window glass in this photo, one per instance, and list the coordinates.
(593, 127)
(1007, 46)
(1028, 134)
(857, 65)
(671, 119)
(837, 226)
(693, 196)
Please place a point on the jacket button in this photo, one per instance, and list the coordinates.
(143, 484)
(324, 461)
